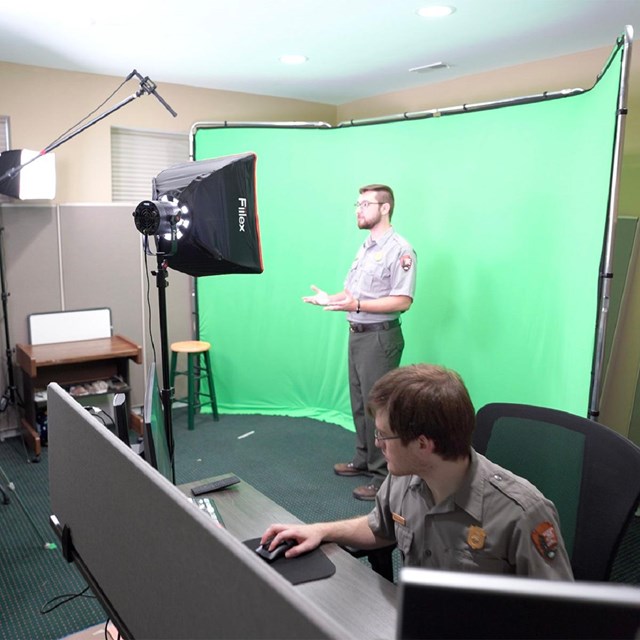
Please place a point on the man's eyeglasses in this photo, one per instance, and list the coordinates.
(381, 438)
(365, 203)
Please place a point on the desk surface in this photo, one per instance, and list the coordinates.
(355, 597)
(32, 356)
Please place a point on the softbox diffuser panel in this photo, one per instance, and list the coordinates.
(35, 176)
(506, 209)
(220, 233)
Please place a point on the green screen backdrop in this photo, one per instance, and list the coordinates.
(506, 209)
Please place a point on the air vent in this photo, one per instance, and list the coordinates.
(430, 67)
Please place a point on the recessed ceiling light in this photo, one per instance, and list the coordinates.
(436, 11)
(293, 59)
(434, 66)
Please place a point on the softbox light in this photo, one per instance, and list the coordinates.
(28, 175)
(204, 215)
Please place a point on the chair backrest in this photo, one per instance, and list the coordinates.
(589, 471)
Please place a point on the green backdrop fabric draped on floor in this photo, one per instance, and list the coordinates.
(506, 209)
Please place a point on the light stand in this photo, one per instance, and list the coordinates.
(7, 187)
(147, 86)
(10, 395)
(149, 221)
(204, 222)
(10, 398)
(166, 391)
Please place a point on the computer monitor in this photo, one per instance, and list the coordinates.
(447, 604)
(156, 447)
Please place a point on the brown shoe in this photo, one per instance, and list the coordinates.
(366, 492)
(348, 469)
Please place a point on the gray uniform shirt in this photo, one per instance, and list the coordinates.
(495, 523)
(383, 267)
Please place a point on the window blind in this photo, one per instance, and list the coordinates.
(4, 133)
(137, 156)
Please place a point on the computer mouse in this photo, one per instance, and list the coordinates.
(278, 552)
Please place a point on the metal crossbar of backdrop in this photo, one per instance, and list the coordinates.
(511, 207)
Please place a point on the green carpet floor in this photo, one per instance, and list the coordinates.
(289, 459)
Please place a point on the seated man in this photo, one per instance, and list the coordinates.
(446, 506)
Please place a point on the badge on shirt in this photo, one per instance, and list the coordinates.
(399, 519)
(545, 540)
(377, 256)
(476, 537)
(406, 262)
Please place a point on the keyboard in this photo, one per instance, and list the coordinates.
(208, 506)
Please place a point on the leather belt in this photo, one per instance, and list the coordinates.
(356, 327)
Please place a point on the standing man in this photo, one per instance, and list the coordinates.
(379, 287)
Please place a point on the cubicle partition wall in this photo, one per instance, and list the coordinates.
(507, 205)
(81, 256)
(162, 568)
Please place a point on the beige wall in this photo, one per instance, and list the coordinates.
(43, 103)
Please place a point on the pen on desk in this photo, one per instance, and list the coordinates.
(244, 435)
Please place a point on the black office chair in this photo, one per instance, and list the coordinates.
(589, 471)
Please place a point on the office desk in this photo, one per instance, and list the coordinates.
(355, 597)
(70, 363)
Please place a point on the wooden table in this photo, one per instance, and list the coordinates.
(356, 597)
(70, 363)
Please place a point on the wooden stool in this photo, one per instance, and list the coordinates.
(198, 368)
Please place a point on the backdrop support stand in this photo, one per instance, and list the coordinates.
(606, 268)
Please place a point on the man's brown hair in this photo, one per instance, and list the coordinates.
(429, 400)
(384, 194)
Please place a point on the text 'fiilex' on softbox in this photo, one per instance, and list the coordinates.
(218, 231)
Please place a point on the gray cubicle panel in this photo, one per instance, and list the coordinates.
(82, 256)
(166, 569)
(101, 267)
(32, 259)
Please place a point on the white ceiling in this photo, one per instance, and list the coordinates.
(355, 48)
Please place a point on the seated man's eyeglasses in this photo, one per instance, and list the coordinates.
(378, 436)
(365, 203)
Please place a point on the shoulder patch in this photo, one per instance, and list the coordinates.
(406, 262)
(545, 540)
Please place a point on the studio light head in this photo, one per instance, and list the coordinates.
(156, 218)
(203, 216)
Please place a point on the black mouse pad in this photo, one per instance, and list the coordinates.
(311, 566)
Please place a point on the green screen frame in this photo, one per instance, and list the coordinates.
(506, 209)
